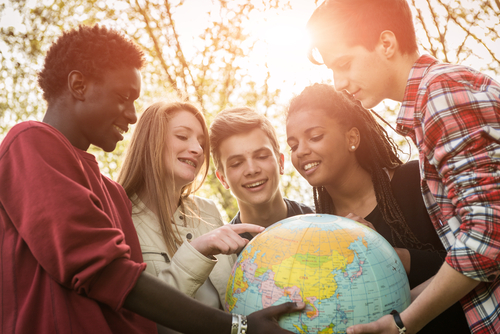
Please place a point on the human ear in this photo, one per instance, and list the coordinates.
(222, 179)
(388, 43)
(282, 164)
(353, 139)
(77, 85)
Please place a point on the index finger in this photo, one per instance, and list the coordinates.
(241, 228)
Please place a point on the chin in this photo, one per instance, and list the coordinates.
(108, 148)
(369, 104)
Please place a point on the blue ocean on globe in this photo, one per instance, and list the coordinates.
(345, 272)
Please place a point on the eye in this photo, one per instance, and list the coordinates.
(345, 65)
(262, 157)
(293, 148)
(317, 138)
(235, 164)
(181, 137)
(124, 97)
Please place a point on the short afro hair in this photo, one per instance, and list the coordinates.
(90, 50)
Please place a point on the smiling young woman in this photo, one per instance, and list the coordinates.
(353, 166)
(182, 236)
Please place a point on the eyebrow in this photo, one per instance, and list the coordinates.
(307, 131)
(189, 129)
(257, 151)
(337, 60)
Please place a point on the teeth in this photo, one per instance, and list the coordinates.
(255, 184)
(189, 162)
(311, 165)
(120, 130)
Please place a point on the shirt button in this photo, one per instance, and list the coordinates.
(189, 236)
(181, 217)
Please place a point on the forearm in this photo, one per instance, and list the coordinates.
(416, 291)
(438, 295)
(405, 258)
(156, 300)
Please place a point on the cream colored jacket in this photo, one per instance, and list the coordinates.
(187, 270)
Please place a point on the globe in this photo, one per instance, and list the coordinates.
(345, 272)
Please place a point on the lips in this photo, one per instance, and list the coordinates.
(254, 184)
(311, 165)
(121, 129)
(188, 161)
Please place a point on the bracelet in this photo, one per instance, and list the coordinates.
(239, 324)
(399, 322)
(235, 324)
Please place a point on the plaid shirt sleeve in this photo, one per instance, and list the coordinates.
(460, 137)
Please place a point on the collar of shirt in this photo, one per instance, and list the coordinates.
(405, 118)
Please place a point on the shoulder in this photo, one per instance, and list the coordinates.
(409, 168)
(296, 208)
(201, 203)
(406, 180)
(236, 219)
(455, 78)
(36, 135)
(205, 207)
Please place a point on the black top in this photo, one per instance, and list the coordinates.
(293, 209)
(425, 262)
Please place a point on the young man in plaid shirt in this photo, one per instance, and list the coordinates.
(452, 113)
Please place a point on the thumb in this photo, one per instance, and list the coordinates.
(289, 307)
(360, 329)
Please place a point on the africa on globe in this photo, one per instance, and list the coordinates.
(345, 272)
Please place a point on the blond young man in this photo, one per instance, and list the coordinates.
(246, 154)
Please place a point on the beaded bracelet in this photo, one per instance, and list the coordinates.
(239, 324)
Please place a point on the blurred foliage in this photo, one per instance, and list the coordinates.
(216, 75)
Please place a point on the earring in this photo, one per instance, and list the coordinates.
(353, 147)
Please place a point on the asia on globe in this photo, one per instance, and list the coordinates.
(345, 272)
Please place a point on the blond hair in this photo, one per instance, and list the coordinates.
(144, 169)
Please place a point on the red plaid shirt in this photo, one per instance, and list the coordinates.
(452, 113)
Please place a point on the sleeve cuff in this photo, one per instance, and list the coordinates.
(115, 282)
(193, 262)
(473, 265)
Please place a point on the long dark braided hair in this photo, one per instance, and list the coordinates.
(376, 151)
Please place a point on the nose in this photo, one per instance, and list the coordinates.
(195, 148)
(252, 168)
(130, 113)
(302, 150)
(340, 82)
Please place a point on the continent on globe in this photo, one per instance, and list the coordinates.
(345, 272)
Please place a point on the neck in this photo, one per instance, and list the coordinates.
(60, 115)
(404, 64)
(353, 194)
(264, 214)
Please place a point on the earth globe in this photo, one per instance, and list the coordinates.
(345, 272)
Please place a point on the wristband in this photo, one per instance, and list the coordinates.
(244, 325)
(239, 324)
(235, 324)
(399, 322)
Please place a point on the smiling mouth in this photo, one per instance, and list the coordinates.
(255, 184)
(189, 162)
(120, 130)
(311, 165)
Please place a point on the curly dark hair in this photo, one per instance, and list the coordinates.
(376, 151)
(90, 50)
